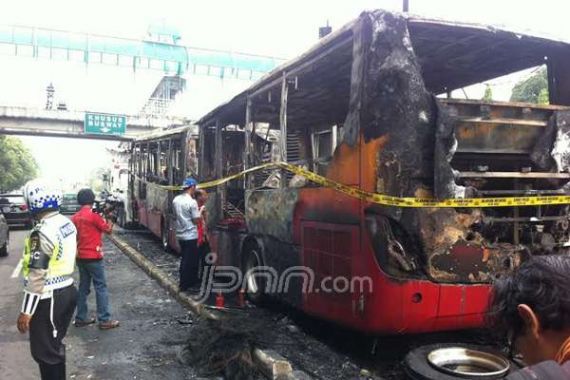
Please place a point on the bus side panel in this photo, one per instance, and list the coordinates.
(226, 243)
(326, 227)
(142, 213)
(329, 251)
(154, 222)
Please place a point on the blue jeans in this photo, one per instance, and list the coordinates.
(92, 271)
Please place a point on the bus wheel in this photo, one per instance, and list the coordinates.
(254, 284)
(456, 361)
(164, 236)
(121, 220)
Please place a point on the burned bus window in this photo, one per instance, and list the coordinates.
(324, 142)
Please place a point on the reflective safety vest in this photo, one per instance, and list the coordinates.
(59, 234)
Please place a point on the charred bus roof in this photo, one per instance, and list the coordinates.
(452, 55)
(165, 133)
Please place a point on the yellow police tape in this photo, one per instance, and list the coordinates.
(387, 200)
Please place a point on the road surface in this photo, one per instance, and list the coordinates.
(153, 327)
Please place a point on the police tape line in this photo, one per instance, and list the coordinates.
(387, 200)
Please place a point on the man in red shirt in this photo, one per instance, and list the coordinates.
(203, 244)
(90, 227)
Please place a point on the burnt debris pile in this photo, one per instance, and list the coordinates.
(224, 348)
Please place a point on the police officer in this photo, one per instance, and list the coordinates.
(49, 294)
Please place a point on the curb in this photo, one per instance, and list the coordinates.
(163, 280)
(269, 362)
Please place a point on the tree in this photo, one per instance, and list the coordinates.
(17, 165)
(534, 89)
(488, 96)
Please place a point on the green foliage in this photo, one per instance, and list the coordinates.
(543, 96)
(488, 96)
(17, 165)
(533, 89)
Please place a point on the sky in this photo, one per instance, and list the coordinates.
(283, 28)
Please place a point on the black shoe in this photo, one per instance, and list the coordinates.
(52, 371)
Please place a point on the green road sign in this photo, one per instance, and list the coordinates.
(104, 124)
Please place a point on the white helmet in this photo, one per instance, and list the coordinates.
(41, 195)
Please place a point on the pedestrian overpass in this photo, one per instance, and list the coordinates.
(62, 123)
(159, 51)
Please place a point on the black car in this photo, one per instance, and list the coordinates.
(15, 210)
(69, 204)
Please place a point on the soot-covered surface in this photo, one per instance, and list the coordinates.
(320, 349)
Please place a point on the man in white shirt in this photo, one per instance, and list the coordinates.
(187, 219)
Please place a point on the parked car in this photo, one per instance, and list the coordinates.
(15, 210)
(4, 236)
(69, 205)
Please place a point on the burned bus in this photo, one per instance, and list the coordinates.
(366, 107)
(160, 160)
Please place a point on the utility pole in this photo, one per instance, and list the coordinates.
(406, 6)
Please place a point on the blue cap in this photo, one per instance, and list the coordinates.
(189, 182)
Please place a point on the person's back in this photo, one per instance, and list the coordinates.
(185, 209)
(187, 219)
(90, 226)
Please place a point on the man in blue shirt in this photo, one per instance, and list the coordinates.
(187, 219)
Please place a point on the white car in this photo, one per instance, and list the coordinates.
(4, 236)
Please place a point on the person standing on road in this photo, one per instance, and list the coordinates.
(203, 244)
(49, 295)
(90, 227)
(187, 219)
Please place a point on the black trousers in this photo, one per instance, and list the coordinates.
(189, 264)
(203, 251)
(47, 351)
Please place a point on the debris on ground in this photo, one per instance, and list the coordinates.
(218, 348)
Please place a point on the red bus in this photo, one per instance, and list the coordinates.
(370, 106)
(158, 160)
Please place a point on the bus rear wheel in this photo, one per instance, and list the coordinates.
(254, 284)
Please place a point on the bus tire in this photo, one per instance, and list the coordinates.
(254, 285)
(417, 366)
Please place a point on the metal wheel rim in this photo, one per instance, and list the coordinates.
(484, 364)
(252, 262)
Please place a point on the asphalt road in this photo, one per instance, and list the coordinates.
(153, 327)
